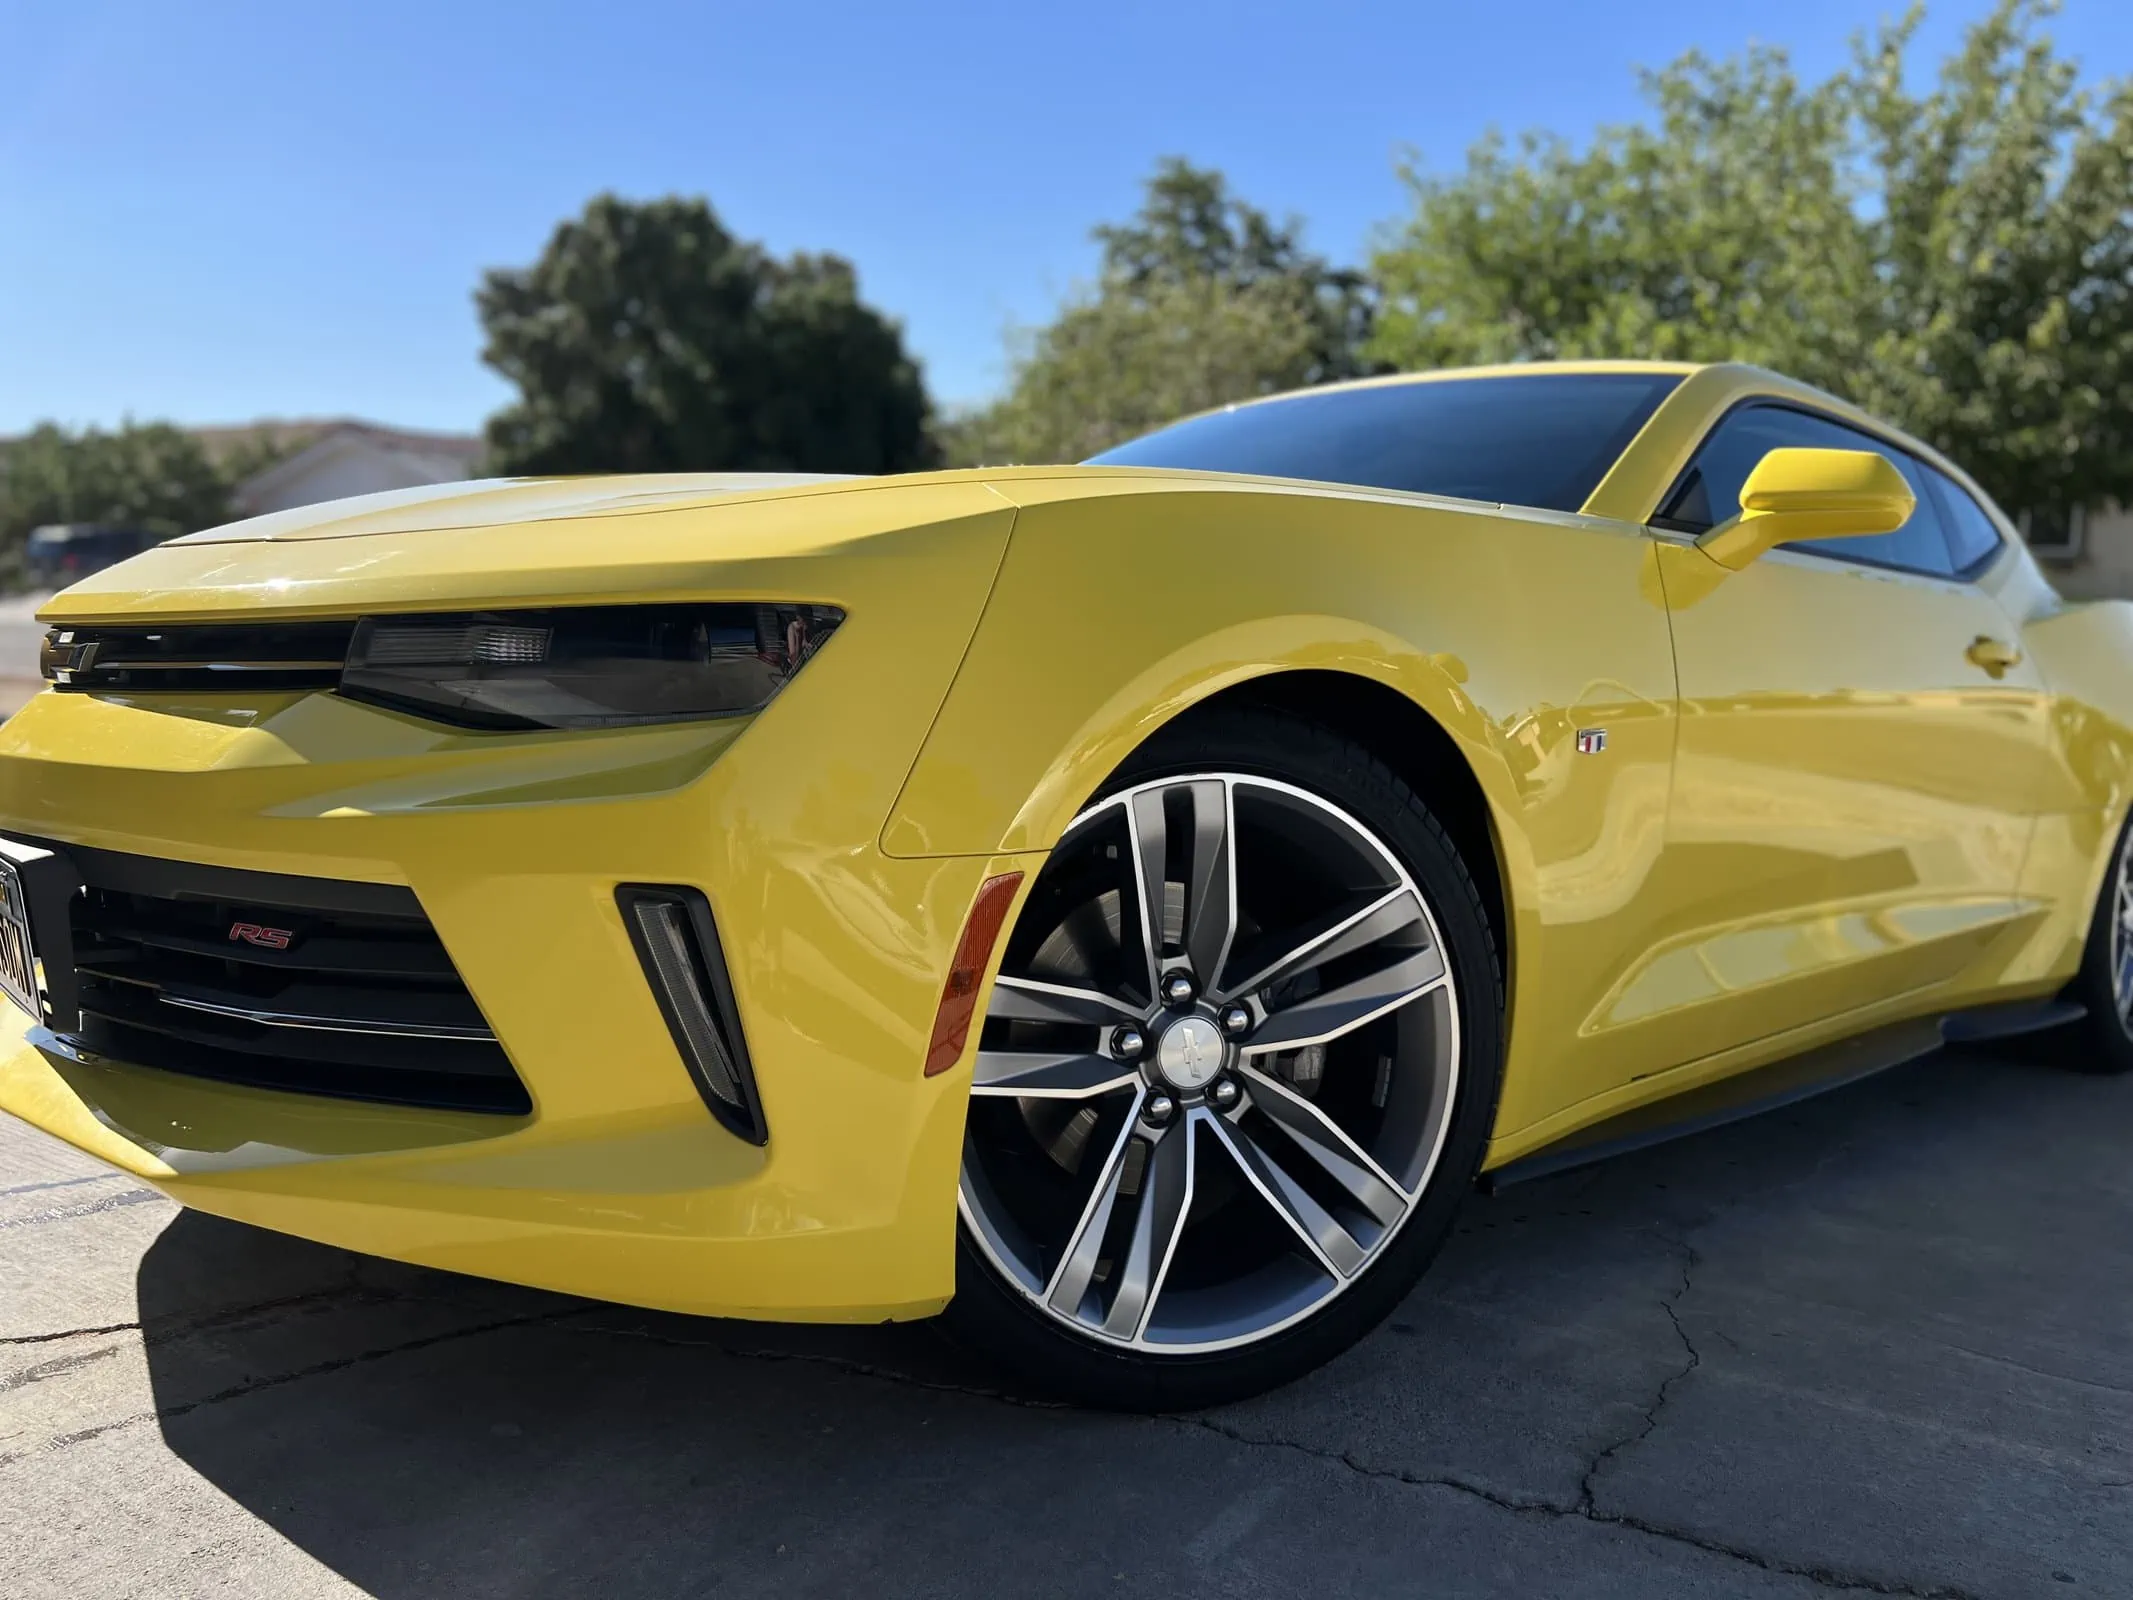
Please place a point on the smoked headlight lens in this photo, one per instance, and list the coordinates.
(584, 667)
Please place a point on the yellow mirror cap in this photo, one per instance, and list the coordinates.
(1800, 479)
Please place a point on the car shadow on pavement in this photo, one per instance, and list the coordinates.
(1877, 1337)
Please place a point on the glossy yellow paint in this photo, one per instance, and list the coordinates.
(1815, 813)
(1385, 593)
(1852, 797)
(619, 1184)
(1798, 494)
(1844, 840)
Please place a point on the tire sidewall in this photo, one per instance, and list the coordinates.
(2101, 1039)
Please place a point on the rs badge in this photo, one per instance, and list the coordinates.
(1591, 741)
(265, 938)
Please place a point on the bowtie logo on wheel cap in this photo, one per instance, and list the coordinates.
(1190, 1053)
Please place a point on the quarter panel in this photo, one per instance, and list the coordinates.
(2085, 653)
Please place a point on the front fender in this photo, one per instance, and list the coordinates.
(1113, 614)
(1120, 606)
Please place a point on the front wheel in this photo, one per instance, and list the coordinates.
(1235, 1075)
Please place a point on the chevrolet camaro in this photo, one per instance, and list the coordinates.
(1125, 906)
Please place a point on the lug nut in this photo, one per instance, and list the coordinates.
(1128, 1042)
(1236, 1021)
(1177, 989)
(1159, 1109)
(1224, 1093)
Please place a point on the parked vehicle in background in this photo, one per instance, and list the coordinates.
(60, 552)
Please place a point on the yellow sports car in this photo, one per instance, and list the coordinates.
(1126, 904)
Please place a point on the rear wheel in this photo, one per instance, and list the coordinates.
(1235, 1075)
(2103, 1040)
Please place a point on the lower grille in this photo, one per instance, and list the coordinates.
(303, 984)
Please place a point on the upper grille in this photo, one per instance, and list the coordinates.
(303, 984)
(290, 655)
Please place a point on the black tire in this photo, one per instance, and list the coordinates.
(2102, 1041)
(994, 1320)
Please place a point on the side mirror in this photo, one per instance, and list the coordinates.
(1810, 494)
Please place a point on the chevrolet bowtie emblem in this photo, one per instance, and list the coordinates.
(61, 657)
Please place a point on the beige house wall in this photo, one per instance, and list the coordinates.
(2103, 567)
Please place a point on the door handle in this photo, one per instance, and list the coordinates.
(1994, 655)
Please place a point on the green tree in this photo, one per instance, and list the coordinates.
(150, 476)
(1191, 230)
(647, 338)
(1959, 260)
(1201, 300)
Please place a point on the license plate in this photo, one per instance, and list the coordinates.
(18, 957)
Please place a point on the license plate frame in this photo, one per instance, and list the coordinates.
(38, 886)
(18, 944)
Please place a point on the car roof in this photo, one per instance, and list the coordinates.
(1504, 369)
(1516, 369)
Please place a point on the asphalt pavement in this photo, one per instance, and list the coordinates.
(1875, 1343)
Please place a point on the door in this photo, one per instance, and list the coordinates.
(1860, 757)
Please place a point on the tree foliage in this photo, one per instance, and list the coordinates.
(1959, 260)
(1191, 231)
(647, 338)
(149, 476)
(1202, 299)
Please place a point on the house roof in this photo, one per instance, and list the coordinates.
(431, 457)
(292, 434)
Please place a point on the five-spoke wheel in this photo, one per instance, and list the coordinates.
(1217, 1070)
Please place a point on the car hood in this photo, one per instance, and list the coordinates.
(615, 540)
(484, 502)
(529, 542)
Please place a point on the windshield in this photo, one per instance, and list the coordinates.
(1544, 439)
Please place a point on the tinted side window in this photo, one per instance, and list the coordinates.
(1710, 492)
(1973, 538)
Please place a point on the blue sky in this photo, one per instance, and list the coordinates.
(214, 211)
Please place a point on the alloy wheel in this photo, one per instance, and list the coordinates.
(1217, 1068)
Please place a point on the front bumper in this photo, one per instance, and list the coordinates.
(619, 1184)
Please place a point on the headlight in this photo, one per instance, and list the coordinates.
(584, 666)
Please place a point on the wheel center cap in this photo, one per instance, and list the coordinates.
(1190, 1053)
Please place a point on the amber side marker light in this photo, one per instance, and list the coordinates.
(959, 996)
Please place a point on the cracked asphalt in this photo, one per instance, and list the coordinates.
(1878, 1343)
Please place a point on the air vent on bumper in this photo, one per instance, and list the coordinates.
(677, 943)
